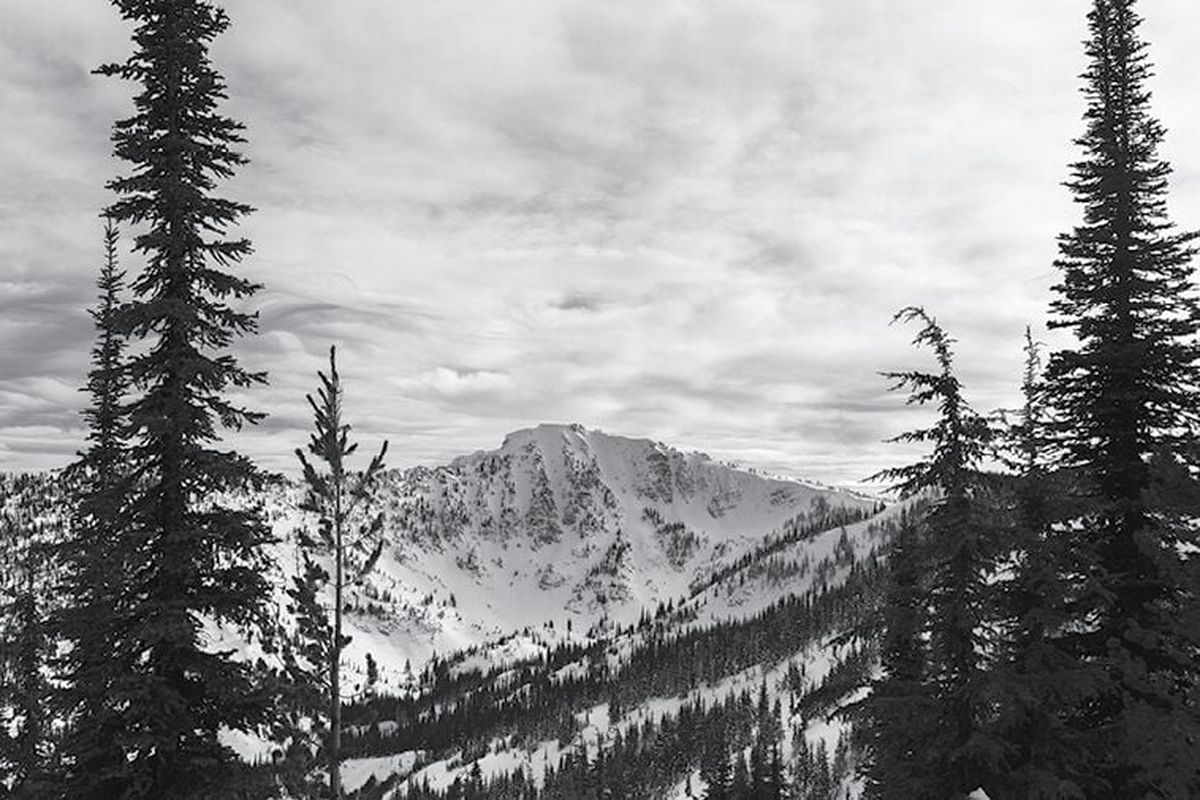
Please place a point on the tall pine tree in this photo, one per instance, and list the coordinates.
(1125, 399)
(182, 557)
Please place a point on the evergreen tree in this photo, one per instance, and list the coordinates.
(766, 767)
(757, 777)
(715, 770)
(107, 383)
(739, 785)
(93, 558)
(32, 691)
(959, 553)
(822, 784)
(184, 557)
(338, 498)
(303, 728)
(1125, 400)
(372, 674)
(25, 742)
(776, 786)
(1036, 673)
(899, 709)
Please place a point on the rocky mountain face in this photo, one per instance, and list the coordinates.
(559, 531)
(571, 591)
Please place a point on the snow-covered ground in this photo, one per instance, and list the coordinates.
(829, 554)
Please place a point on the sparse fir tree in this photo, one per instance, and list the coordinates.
(348, 533)
(1125, 402)
(182, 558)
(958, 553)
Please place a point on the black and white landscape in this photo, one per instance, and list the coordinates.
(881, 341)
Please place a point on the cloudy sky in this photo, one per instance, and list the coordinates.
(686, 220)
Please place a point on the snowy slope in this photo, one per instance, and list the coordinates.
(817, 562)
(559, 527)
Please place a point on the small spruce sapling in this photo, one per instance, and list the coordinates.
(372, 673)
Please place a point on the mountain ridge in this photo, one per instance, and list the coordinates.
(559, 524)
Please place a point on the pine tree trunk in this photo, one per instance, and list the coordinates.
(335, 716)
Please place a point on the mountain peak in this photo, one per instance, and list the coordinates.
(545, 431)
(604, 525)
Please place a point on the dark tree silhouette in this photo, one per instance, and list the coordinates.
(92, 555)
(26, 739)
(900, 707)
(958, 552)
(1037, 673)
(1125, 403)
(185, 558)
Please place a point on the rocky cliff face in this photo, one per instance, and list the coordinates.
(562, 525)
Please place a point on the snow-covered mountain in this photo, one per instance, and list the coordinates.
(570, 591)
(559, 531)
(569, 557)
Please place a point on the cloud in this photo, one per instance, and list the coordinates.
(689, 222)
(453, 384)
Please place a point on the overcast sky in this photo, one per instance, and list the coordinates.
(690, 221)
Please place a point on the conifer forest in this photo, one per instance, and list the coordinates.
(197, 602)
